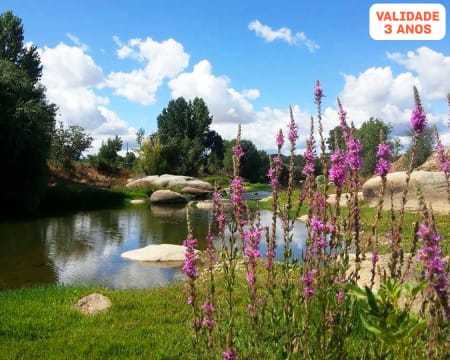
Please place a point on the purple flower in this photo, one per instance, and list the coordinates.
(280, 139)
(310, 157)
(418, 119)
(318, 93)
(208, 309)
(340, 295)
(433, 260)
(383, 164)
(354, 153)
(229, 354)
(444, 163)
(309, 280)
(343, 121)
(292, 135)
(316, 224)
(337, 172)
(190, 258)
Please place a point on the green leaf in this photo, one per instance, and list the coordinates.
(372, 328)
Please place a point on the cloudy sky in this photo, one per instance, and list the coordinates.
(112, 66)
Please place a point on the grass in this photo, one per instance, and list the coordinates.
(41, 323)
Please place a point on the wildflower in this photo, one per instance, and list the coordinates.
(354, 153)
(418, 119)
(309, 280)
(208, 309)
(318, 93)
(316, 224)
(292, 135)
(337, 171)
(340, 295)
(310, 157)
(443, 160)
(280, 139)
(433, 261)
(229, 354)
(383, 155)
(343, 120)
(190, 258)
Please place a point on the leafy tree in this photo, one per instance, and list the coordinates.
(186, 141)
(26, 120)
(254, 163)
(108, 160)
(140, 135)
(149, 160)
(424, 147)
(336, 138)
(369, 136)
(69, 144)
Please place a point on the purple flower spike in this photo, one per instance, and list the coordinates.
(383, 164)
(229, 354)
(337, 171)
(318, 93)
(418, 119)
(280, 139)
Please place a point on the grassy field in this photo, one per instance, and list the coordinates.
(42, 323)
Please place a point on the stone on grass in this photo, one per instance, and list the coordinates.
(93, 303)
(137, 201)
(170, 181)
(157, 253)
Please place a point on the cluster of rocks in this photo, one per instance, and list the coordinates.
(174, 189)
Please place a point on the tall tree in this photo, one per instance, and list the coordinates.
(369, 136)
(423, 148)
(26, 121)
(186, 141)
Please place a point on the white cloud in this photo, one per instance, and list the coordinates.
(225, 103)
(283, 34)
(71, 78)
(162, 60)
(432, 68)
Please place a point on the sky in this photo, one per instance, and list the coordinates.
(113, 66)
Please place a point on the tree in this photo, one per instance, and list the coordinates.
(149, 160)
(140, 135)
(186, 142)
(423, 148)
(26, 121)
(336, 138)
(69, 144)
(107, 160)
(254, 164)
(369, 136)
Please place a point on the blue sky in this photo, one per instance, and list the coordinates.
(112, 66)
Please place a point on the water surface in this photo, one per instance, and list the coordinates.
(85, 248)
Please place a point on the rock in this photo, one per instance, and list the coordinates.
(157, 252)
(137, 201)
(167, 197)
(195, 192)
(170, 181)
(344, 199)
(433, 186)
(209, 204)
(93, 304)
(267, 198)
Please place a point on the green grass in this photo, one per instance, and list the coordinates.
(42, 323)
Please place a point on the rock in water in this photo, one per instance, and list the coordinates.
(93, 303)
(157, 252)
(433, 186)
(167, 197)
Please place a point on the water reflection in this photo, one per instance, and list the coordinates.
(85, 248)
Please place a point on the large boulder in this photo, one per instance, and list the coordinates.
(195, 192)
(158, 253)
(170, 181)
(167, 197)
(432, 183)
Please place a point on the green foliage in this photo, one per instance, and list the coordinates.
(26, 121)
(254, 163)
(187, 144)
(390, 319)
(69, 144)
(369, 136)
(108, 160)
(149, 159)
(423, 149)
